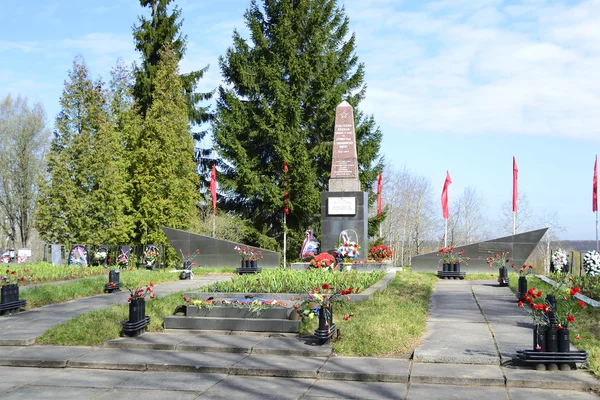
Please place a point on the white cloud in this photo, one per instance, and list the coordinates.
(482, 67)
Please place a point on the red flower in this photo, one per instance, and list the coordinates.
(570, 318)
(296, 306)
(581, 304)
(539, 294)
(22, 278)
(572, 292)
(531, 290)
(520, 304)
(325, 286)
(352, 315)
(152, 296)
(576, 289)
(577, 337)
(346, 317)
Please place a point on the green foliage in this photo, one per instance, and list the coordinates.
(279, 105)
(292, 281)
(163, 30)
(85, 197)
(165, 184)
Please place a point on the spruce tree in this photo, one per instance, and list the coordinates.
(164, 178)
(279, 105)
(163, 29)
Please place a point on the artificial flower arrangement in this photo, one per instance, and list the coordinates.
(347, 249)
(500, 260)
(524, 270)
(322, 300)
(188, 258)
(450, 256)
(12, 277)
(141, 292)
(380, 253)
(78, 257)
(560, 260)
(591, 263)
(100, 255)
(323, 261)
(150, 255)
(255, 306)
(122, 260)
(248, 253)
(563, 308)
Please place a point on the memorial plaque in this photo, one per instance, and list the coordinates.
(341, 206)
(344, 163)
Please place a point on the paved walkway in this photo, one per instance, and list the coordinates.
(472, 333)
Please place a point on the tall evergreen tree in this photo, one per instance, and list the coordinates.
(163, 29)
(164, 177)
(279, 105)
(84, 198)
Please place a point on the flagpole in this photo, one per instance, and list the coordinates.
(596, 230)
(284, 239)
(514, 223)
(214, 224)
(446, 234)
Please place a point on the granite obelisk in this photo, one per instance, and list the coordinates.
(344, 206)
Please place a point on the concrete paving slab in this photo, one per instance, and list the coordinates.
(357, 390)
(307, 347)
(282, 366)
(457, 374)
(187, 361)
(456, 331)
(86, 378)
(560, 380)
(537, 394)
(136, 394)
(181, 381)
(128, 359)
(220, 343)
(149, 340)
(43, 356)
(258, 388)
(52, 393)
(18, 337)
(446, 392)
(25, 376)
(365, 369)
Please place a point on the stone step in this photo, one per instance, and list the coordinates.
(222, 343)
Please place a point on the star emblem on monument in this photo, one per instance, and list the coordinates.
(344, 115)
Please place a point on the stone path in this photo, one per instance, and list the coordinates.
(473, 330)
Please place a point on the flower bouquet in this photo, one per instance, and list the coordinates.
(323, 261)
(559, 262)
(347, 249)
(591, 263)
(137, 310)
(188, 263)
(380, 253)
(150, 255)
(320, 303)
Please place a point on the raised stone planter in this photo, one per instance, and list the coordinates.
(234, 312)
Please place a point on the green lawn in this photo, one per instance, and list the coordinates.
(389, 325)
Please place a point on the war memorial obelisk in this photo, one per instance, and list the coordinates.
(344, 206)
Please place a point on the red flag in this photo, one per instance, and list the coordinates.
(379, 187)
(445, 195)
(515, 189)
(595, 187)
(286, 195)
(213, 187)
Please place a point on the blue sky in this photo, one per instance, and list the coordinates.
(456, 85)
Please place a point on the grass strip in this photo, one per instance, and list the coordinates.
(391, 323)
(51, 293)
